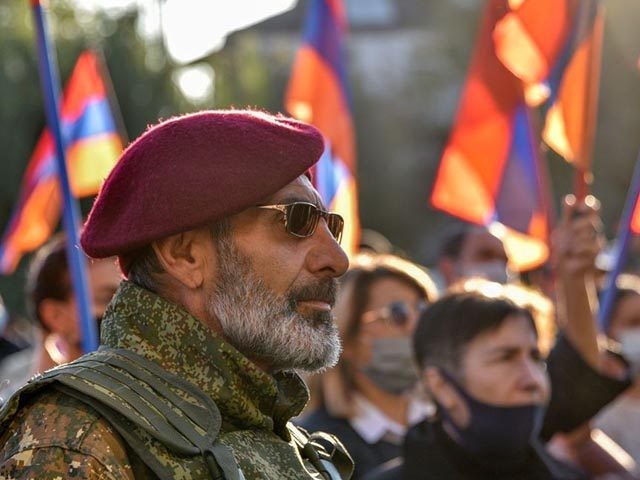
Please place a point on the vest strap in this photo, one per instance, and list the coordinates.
(133, 393)
(324, 451)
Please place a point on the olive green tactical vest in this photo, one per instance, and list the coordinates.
(142, 402)
(186, 401)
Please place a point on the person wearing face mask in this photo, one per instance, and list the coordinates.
(367, 400)
(621, 420)
(473, 251)
(480, 362)
(573, 389)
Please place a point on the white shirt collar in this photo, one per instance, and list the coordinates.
(373, 425)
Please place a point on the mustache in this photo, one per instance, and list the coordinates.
(325, 291)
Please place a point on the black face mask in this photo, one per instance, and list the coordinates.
(495, 431)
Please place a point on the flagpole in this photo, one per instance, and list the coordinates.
(621, 249)
(581, 184)
(71, 214)
(583, 175)
(111, 95)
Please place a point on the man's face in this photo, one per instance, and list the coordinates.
(504, 367)
(274, 292)
(482, 255)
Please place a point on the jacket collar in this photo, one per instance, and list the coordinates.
(165, 333)
(428, 448)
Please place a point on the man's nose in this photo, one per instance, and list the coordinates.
(326, 256)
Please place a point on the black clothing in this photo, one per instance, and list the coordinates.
(365, 456)
(430, 454)
(7, 348)
(578, 392)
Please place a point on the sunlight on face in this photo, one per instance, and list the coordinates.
(504, 366)
(266, 326)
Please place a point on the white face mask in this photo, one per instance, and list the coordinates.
(392, 367)
(493, 270)
(630, 343)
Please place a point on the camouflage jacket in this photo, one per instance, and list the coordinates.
(51, 435)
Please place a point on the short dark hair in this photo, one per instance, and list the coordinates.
(453, 241)
(48, 276)
(450, 324)
(143, 267)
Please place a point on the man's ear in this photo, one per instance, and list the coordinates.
(184, 256)
(446, 396)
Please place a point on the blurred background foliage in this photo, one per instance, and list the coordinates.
(407, 63)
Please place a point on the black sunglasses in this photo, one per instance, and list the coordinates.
(301, 219)
(397, 314)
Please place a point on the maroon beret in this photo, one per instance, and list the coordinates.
(191, 170)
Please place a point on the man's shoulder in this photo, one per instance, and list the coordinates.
(51, 429)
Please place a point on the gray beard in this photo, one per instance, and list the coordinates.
(265, 326)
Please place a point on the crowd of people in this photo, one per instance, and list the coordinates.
(238, 341)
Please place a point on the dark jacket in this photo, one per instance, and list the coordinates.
(366, 456)
(430, 454)
(578, 392)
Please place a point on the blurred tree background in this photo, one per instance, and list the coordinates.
(407, 63)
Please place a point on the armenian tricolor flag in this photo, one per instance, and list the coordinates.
(93, 146)
(317, 93)
(531, 40)
(574, 82)
(554, 47)
(489, 172)
(635, 219)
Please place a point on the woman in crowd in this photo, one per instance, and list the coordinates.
(368, 399)
(621, 420)
(481, 359)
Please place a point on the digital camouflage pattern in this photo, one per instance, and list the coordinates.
(54, 436)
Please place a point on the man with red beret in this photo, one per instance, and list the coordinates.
(231, 262)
